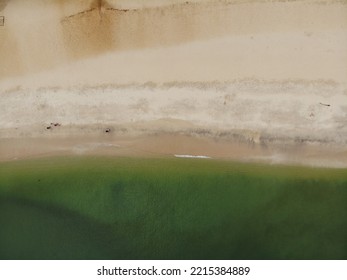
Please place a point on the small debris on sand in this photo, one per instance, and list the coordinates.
(56, 124)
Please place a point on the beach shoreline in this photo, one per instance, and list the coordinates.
(169, 145)
(288, 122)
(241, 80)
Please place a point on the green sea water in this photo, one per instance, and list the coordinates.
(131, 208)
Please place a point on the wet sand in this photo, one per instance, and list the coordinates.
(170, 145)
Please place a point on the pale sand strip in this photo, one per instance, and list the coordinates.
(282, 111)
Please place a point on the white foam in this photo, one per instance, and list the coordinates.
(190, 156)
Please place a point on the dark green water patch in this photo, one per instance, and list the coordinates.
(127, 208)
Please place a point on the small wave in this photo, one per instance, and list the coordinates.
(190, 156)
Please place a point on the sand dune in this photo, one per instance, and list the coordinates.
(40, 35)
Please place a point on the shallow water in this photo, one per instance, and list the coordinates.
(128, 208)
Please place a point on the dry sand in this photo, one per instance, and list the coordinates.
(244, 80)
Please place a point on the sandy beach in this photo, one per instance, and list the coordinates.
(242, 80)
